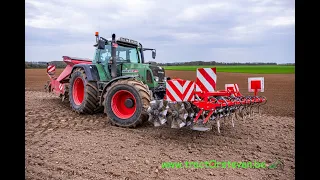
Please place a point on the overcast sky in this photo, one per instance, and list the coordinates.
(180, 30)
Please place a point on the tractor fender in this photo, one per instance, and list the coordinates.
(90, 70)
(113, 80)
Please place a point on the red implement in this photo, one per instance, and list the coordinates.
(58, 84)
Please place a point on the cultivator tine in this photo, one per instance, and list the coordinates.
(245, 112)
(220, 112)
(218, 125)
(200, 123)
(246, 109)
(200, 126)
(252, 110)
(262, 99)
(249, 107)
(232, 119)
(253, 105)
(249, 111)
(257, 106)
(198, 116)
(242, 112)
(259, 110)
(157, 112)
(208, 116)
(236, 114)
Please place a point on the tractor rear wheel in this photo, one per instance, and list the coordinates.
(83, 94)
(126, 103)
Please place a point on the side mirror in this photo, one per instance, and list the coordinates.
(101, 44)
(153, 54)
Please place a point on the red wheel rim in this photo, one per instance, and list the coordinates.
(78, 91)
(118, 104)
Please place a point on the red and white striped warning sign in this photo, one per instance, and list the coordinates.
(233, 88)
(179, 90)
(61, 86)
(206, 79)
(51, 69)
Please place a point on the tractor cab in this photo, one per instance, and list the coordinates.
(120, 56)
(125, 53)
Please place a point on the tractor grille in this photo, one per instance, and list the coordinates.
(159, 72)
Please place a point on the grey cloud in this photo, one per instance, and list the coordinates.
(175, 28)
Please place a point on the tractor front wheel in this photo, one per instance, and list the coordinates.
(126, 103)
(83, 94)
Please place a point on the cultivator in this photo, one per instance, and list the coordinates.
(197, 105)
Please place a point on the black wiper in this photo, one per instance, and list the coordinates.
(150, 49)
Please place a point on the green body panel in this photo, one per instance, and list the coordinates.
(138, 69)
(103, 74)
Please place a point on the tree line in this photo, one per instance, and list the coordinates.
(32, 65)
(213, 63)
(62, 64)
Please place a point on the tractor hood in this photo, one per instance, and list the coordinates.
(133, 69)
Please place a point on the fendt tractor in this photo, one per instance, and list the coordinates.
(130, 91)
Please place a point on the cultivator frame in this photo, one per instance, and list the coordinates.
(205, 106)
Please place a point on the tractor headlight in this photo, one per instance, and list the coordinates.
(156, 78)
(165, 79)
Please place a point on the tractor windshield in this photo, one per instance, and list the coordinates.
(123, 54)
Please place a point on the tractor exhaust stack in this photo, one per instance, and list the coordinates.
(113, 57)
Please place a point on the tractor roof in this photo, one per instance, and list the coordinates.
(126, 40)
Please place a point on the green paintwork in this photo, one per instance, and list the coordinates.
(104, 76)
(142, 72)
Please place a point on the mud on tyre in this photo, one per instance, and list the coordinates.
(126, 103)
(83, 94)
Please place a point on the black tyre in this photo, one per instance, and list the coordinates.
(126, 103)
(83, 95)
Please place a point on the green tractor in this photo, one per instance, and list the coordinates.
(117, 81)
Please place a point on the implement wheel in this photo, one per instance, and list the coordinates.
(83, 95)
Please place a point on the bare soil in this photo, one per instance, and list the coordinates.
(61, 144)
